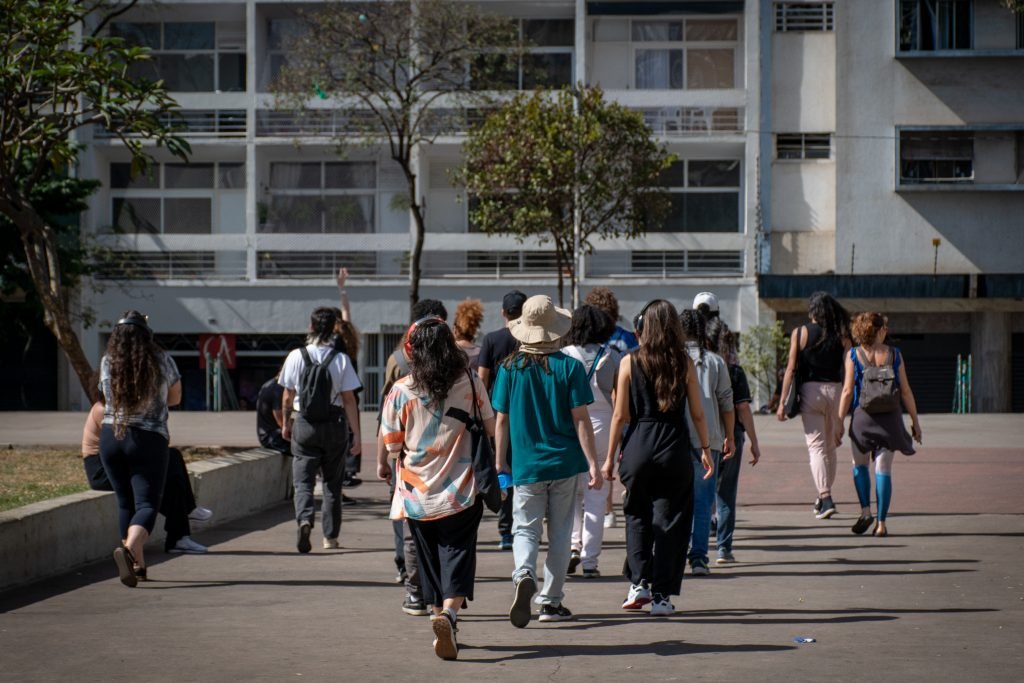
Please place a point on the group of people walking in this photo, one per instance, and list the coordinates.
(572, 405)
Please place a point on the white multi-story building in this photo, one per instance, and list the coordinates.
(245, 239)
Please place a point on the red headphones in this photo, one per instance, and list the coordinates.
(429, 321)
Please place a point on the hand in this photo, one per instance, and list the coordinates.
(727, 449)
(595, 477)
(755, 453)
(286, 431)
(356, 448)
(608, 471)
(781, 413)
(709, 464)
(342, 276)
(384, 471)
(915, 431)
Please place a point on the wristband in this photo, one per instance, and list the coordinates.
(706, 448)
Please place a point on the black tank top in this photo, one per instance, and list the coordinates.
(643, 404)
(821, 363)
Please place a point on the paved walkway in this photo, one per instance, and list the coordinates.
(942, 598)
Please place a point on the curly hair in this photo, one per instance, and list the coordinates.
(468, 316)
(424, 308)
(831, 316)
(590, 325)
(436, 361)
(866, 326)
(604, 298)
(695, 329)
(136, 370)
(720, 338)
(662, 355)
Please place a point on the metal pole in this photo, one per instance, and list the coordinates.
(970, 380)
(206, 356)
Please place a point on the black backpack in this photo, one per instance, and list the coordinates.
(316, 387)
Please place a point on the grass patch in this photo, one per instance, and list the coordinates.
(29, 475)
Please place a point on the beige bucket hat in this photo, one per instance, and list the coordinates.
(541, 321)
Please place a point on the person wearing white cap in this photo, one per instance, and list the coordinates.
(540, 398)
(706, 303)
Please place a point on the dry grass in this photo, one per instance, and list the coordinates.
(29, 475)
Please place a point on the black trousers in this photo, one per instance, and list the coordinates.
(659, 514)
(447, 554)
(178, 499)
(137, 467)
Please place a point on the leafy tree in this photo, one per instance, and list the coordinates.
(1015, 5)
(543, 156)
(763, 351)
(61, 71)
(403, 72)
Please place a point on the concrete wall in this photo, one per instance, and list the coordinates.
(51, 537)
(803, 82)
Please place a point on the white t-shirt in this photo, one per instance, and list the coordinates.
(343, 376)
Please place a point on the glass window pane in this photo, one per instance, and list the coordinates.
(348, 214)
(188, 176)
(711, 29)
(145, 70)
(675, 219)
(715, 173)
(186, 73)
(231, 177)
(231, 67)
(141, 34)
(547, 70)
(712, 212)
(494, 71)
(188, 215)
(350, 175)
(659, 69)
(710, 69)
(304, 176)
(188, 35)
(281, 31)
(648, 31)
(549, 32)
(293, 214)
(137, 214)
(121, 177)
(673, 175)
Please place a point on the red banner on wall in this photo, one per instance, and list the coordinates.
(214, 345)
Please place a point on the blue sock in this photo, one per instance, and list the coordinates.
(883, 483)
(862, 482)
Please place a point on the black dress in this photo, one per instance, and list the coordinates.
(657, 472)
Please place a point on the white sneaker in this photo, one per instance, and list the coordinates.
(200, 514)
(331, 544)
(610, 521)
(638, 596)
(662, 608)
(186, 545)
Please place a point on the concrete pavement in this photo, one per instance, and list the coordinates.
(942, 598)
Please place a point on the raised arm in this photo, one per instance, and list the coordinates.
(346, 312)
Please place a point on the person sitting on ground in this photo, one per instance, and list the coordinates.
(178, 503)
(468, 316)
(425, 419)
(877, 428)
(540, 397)
(139, 381)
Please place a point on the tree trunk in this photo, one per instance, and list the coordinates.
(416, 254)
(558, 264)
(40, 243)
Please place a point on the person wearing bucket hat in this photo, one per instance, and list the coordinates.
(540, 399)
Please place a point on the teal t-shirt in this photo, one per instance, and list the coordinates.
(545, 446)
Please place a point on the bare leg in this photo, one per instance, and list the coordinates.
(137, 537)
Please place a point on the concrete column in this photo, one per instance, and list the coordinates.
(991, 358)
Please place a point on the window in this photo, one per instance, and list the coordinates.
(1020, 30)
(804, 16)
(936, 157)
(803, 145)
(189, 56)
(321, 197)
(546, 62)
(935, 25)
(705, 196)
(279, 32)
(691, 54)
(173, 199)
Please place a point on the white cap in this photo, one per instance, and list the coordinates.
(706, 298)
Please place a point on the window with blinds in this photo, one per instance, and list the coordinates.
(804, 16)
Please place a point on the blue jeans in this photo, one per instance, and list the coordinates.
(530, 503)
(703, 501)
(728, 484)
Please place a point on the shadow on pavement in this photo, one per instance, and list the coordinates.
(663, 648)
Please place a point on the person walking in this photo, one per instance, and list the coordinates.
(656, 388)
(424, 425)
(816, 364)
(468, 316)
(540, 398)
(139, 381)
(587, 342)
(319, 433)
(717, 401)
(877, 429)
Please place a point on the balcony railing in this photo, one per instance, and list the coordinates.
(172, 265)
(688, 121)
(198, 123)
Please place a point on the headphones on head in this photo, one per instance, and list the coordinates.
(429, 321)
(137, 321)
(638, 319)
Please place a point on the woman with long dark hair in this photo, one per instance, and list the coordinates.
(816, 352)
(424, 421)
(139, 380)
(657, 387)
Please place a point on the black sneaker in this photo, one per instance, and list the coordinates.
(414, 606)
(351, 482)
(303, 544)
(862, 524)
(554, 613)
(574, 561)
(591, 573)
(828, 508)
(519, 613)
(345, 500)
(817, 504)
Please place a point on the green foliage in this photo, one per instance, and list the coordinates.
(530, 162)
(763, 351)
